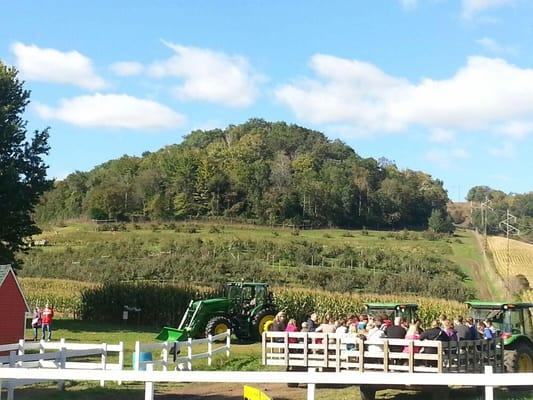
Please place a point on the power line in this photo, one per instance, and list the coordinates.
(509, 229)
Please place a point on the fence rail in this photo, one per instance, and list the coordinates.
(168, 349)
(487, 379)
(56, 355)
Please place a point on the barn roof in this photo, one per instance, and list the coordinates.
(4, 272)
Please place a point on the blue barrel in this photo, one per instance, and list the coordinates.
(143, 356)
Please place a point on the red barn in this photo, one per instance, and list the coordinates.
(13, 307)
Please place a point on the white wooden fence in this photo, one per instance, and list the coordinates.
(345, 351)
(311, 378)
(211, 345)
(57, 355)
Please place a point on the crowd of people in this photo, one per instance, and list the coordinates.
(42, 319)
(381, 327)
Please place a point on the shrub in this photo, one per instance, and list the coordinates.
(191, 229)
(214, 229)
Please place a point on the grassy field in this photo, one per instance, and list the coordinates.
(81, 234)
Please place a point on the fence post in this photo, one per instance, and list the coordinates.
(149, 386)
(137, 358)
(489, 390)
(264, 347)
(121, 359)
(311, 386)
(189, 354)
(228, 343)
(11, 384)
(62, 362)
(209, 349)
(20, 351)
(21, 347)
(165, 355)
(104, 360)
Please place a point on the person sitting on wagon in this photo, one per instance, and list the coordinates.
(312, 322)
(484, 331)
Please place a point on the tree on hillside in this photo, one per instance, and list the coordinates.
(440, 222)
(22, 170)
(482, 193)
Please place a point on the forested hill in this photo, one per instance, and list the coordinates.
(269, 172)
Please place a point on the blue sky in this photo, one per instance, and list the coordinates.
(441, 86)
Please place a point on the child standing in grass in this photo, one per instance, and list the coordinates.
(47, 316)
(36, 322)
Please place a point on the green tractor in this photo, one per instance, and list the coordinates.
(393, 310)
(247, 309)
(513, 322)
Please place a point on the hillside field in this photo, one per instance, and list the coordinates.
(519, 262)
(363, 261)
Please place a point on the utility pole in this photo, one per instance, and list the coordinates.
(509, 229)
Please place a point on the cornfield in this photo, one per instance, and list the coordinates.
(299, 303)
(520, 260)
(528, 296)
(165, 303)
(63, 294)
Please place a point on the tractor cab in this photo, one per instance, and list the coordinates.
(509, 319)
(247, 296)
(408, 311)
(513, 322)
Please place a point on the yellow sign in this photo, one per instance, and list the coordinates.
(251, 393)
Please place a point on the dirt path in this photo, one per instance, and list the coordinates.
(488, 280)
(480, 278)
(221, 391)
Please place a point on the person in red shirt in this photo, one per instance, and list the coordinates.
(46, 317)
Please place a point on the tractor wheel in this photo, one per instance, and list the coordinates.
(519, 360)
(367, 392)
(217, 325)
(263, 320)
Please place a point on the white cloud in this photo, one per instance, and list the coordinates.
(484, 93)
(516, 129)
(472, 7)
(460, 153)
(127, 68)
(505, 150)
(112, 111)
(446, 158)
(54, 66)
(442, 136)
(408, 4)
(493, 46)
(209, 75)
